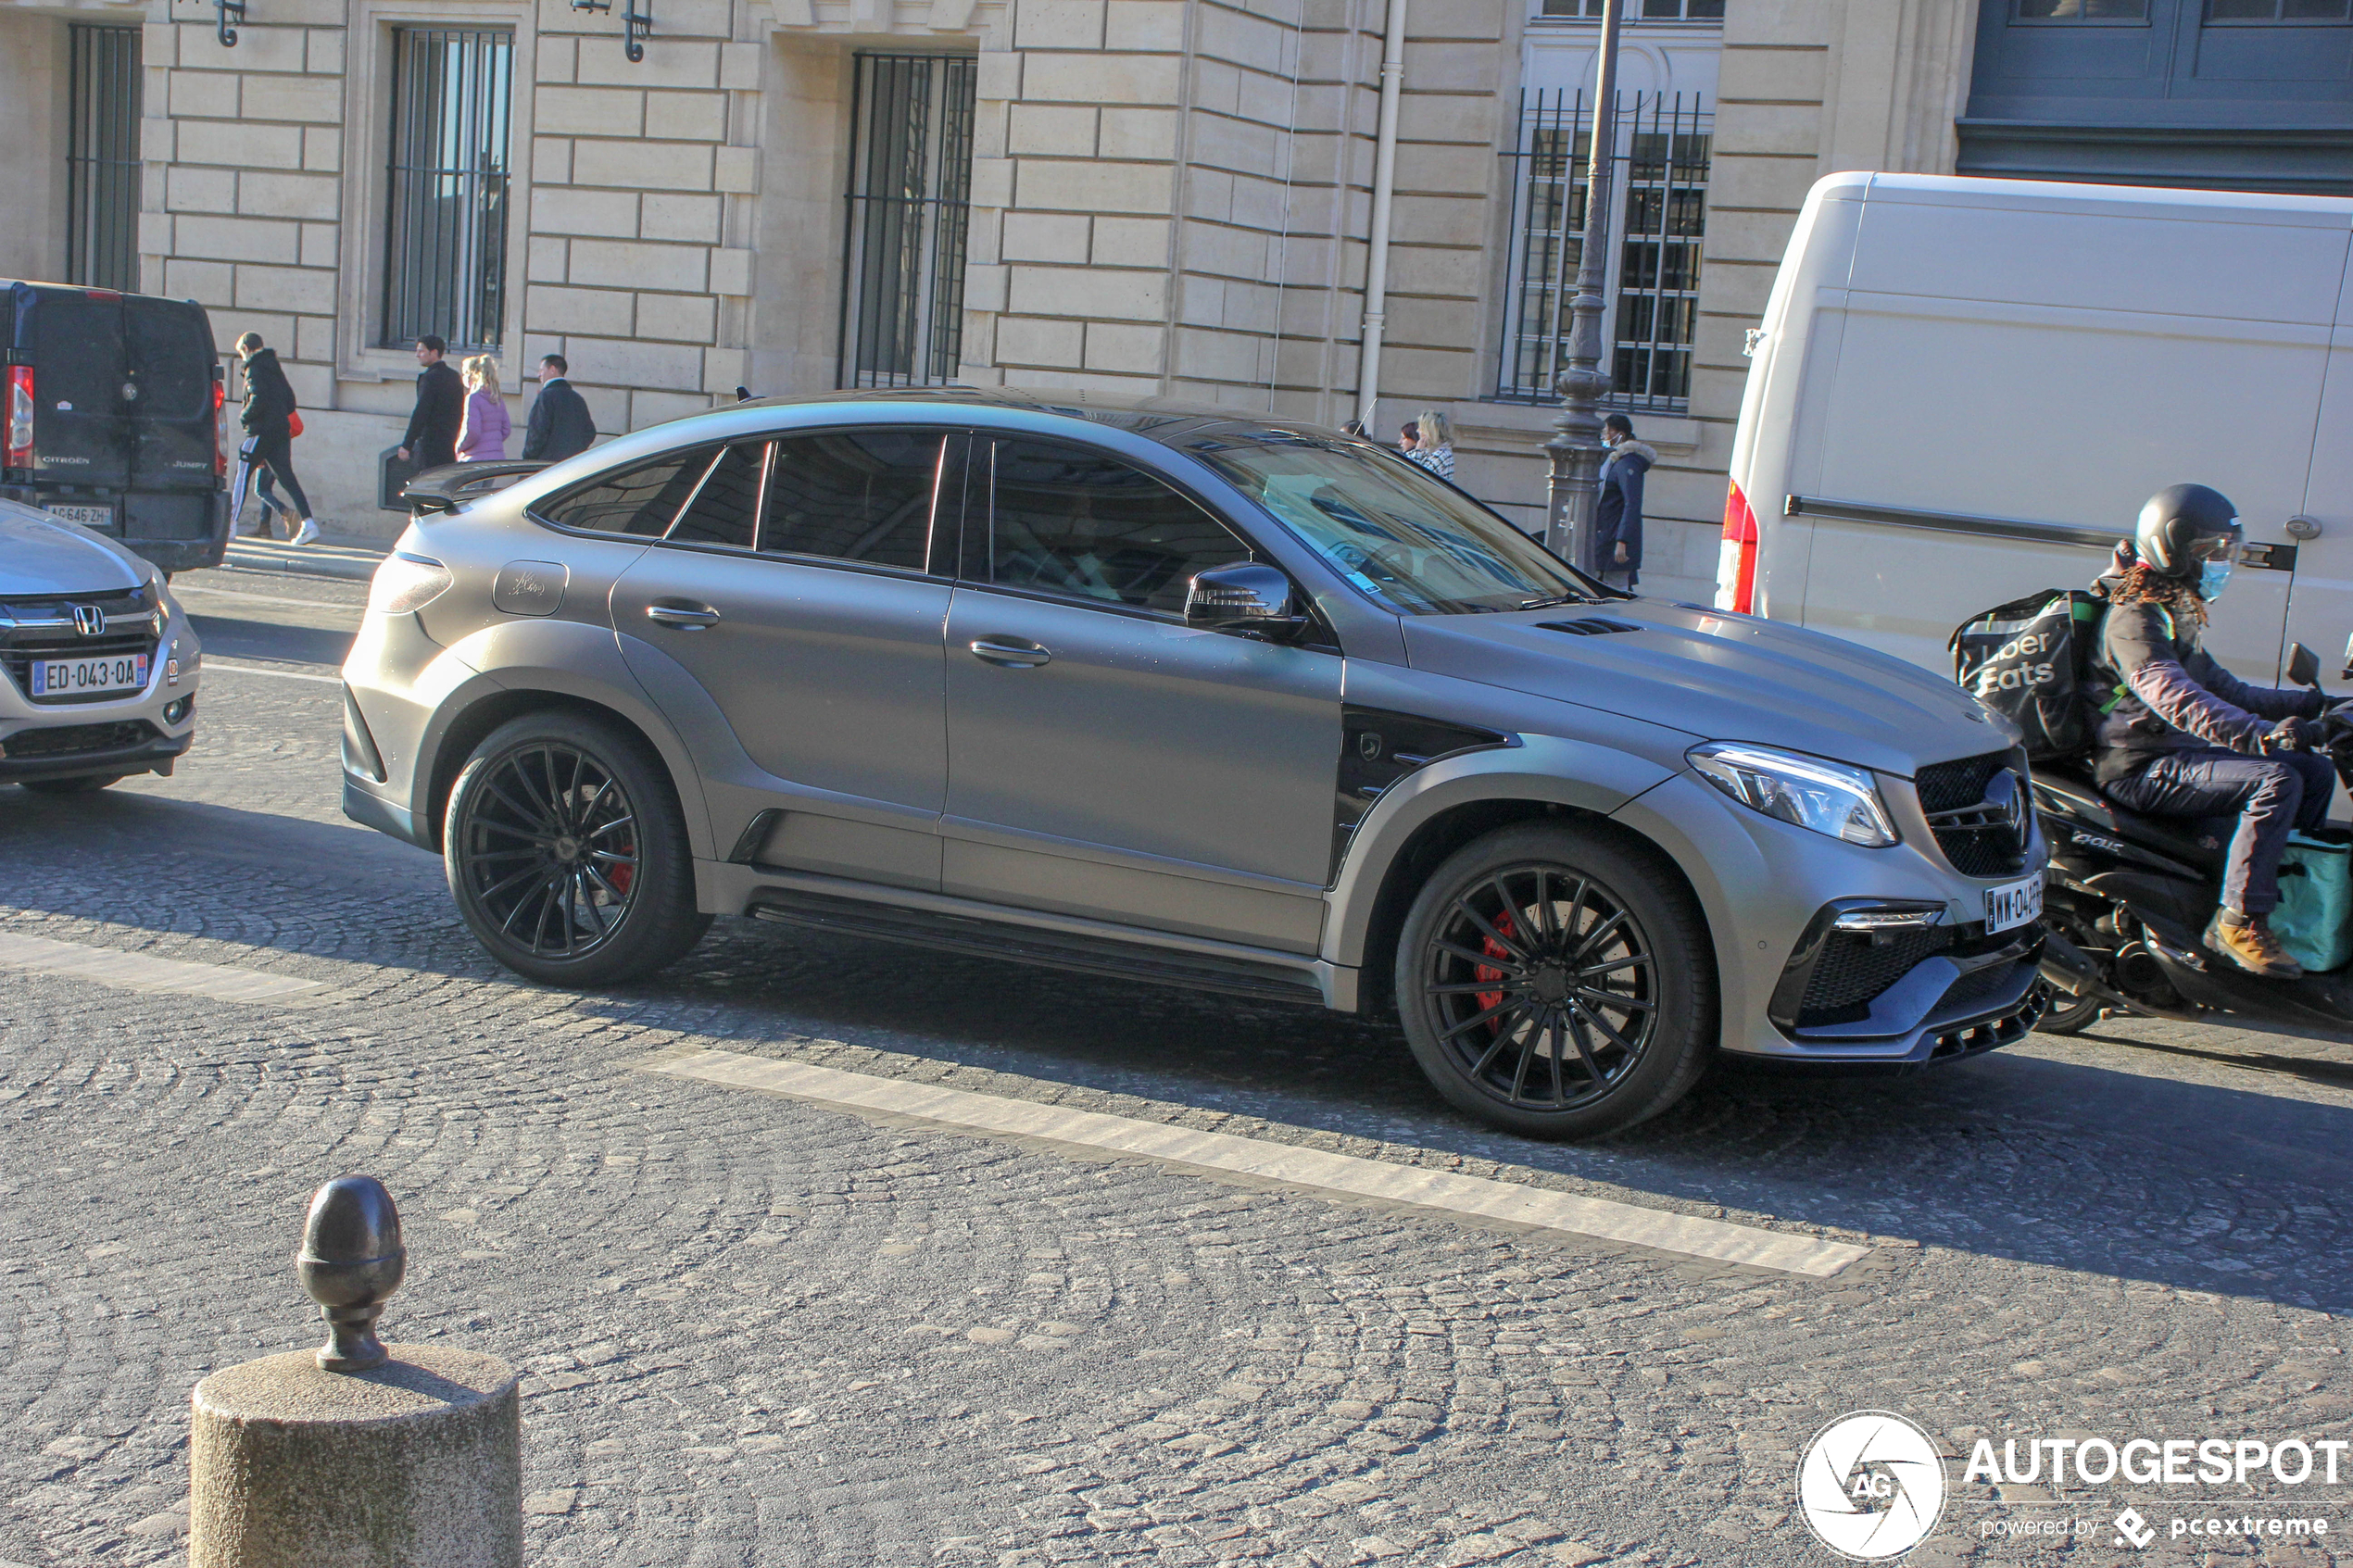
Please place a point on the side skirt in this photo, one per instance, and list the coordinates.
(1098, 952)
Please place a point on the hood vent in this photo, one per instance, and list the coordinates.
(1591, 626)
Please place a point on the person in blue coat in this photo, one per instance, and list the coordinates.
(1617, 516)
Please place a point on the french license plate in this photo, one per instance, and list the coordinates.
(2018, 904)
(72, 677)
(87, 517)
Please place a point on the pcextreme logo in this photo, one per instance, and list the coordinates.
(1871, 1486)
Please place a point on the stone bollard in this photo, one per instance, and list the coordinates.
(356, 1454)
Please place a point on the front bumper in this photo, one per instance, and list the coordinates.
(1765, 885)
(64, 751)
(1927, 993)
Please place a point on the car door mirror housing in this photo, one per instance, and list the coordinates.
(1246, 597)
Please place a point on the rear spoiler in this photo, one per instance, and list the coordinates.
(447, 488)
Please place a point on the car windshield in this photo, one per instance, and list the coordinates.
(1416, 544)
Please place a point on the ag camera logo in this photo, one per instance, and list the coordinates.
(1871, 1486)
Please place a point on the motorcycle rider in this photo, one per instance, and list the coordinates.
(2185, 737)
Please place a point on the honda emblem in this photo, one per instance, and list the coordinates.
(89, 620)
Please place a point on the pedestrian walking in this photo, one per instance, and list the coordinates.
(1433, 446)
(1618, 512)
(268, 420)
(559, 424)
(483, 438)
(432, 440)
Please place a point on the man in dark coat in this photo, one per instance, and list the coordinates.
(267, 418)
(560, 424)
(432, 440)
(1617, 515)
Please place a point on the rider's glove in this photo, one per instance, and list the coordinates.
(2293, 734)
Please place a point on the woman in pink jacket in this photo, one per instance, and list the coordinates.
(484, 435)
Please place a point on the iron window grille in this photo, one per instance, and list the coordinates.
(1661, 146)
(1639, 11)
(447, 201)
(903, 288)
(102, 157)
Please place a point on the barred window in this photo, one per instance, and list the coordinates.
(902, 288)
(1640, 10)
(102, 158)
(445, 227)
(1658, 198)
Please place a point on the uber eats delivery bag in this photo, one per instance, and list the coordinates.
(2029, 661)
(2316, 899)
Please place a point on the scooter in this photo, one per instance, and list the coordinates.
(2127, 899)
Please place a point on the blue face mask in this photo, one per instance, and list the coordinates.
(2212, 578)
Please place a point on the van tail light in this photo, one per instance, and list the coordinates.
(20, 417)
(1736, 556)
(219, 401)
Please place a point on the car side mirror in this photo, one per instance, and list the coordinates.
(1246, 597)
(2303, 667)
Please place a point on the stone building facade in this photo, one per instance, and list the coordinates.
(1147, 195)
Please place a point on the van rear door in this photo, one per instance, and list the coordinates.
(81, 435)
(2320, 612)
(168, 383)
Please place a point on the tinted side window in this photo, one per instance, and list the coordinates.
(723, 510)
(862, 495)
(1071, 521)
(640, 500)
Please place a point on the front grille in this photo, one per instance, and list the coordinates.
(18, 656)
(74, 740)
(1977, 842)
(1857, 966)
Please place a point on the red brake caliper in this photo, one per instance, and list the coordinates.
(1496, 950)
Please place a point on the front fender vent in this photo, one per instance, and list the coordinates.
(1591, 626)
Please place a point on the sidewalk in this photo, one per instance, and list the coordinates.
(345, 555)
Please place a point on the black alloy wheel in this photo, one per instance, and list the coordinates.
(1553, 982)
(567, 853)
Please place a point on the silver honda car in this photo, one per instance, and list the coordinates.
(101, 661)
(1185, 695)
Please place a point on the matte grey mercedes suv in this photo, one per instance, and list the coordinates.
(1184, 695)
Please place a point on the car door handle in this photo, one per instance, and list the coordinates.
(1011, 653)
(685, 617)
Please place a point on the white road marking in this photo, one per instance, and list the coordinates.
(235, 669)
(143, 971)
(1438, 1192)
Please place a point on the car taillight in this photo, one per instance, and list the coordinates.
(20, 417)
(219, 401)
(1736, 557)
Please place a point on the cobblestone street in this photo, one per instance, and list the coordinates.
(764, 1331)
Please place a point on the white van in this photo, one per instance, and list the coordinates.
(1964, 390)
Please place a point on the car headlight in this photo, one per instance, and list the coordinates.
(405, 583)
(1830, 797)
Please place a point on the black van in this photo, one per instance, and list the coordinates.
(113, 418)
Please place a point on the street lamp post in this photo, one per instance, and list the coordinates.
(1575, 447)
